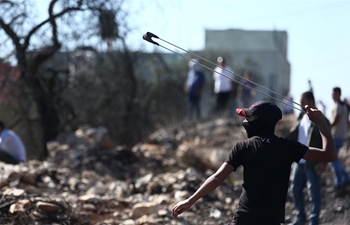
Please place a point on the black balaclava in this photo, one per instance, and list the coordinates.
(259, 127)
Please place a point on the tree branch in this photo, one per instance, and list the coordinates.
(51, 17)
(11, 33)
(53, 23)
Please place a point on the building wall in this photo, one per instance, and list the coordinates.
(267, 49)
(243, 40)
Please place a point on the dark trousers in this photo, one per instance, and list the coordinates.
(301, 177)
(222, 100)
(340, 175)
(193, 106)
(7, 158)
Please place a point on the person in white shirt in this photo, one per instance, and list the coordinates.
(12, 150)
(307, 173)
(222, 76)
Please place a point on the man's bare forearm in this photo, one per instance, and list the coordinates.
(209, 185)
(327, 139)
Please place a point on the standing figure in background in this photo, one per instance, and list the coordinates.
(307, 172)
(193, 89)
(246, 91)
(12, 150)
(222, 85)
(339, 128)
(287, 106)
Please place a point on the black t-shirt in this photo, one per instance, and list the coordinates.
(267, 163)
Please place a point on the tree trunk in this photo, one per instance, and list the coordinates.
(48, 116)
(128, 118)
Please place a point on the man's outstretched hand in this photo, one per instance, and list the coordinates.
(181, 207)
(315, 115)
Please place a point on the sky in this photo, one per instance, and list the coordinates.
(318, 34)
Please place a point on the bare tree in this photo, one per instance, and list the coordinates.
(67, 22)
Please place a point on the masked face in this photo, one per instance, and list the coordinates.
(257, 128)
(251, 127)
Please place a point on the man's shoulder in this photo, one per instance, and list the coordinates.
(8, 133)
(248, 140)
(258, 139)
(217, 68)
(337, 104)
(244, 144)
(228, 68)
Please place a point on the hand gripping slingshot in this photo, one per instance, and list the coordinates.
(148, 37)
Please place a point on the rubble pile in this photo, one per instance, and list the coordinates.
(88, 180)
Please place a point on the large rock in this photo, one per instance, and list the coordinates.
(144, 208)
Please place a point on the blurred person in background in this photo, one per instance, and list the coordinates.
(339, 126)
(307, 173)
(12, 150)
(194, 88)
(245, 90)
(222, 86)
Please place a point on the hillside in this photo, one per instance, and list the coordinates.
(88, 180)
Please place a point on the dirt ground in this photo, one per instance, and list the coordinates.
(89, 184)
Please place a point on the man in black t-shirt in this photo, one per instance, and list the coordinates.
(266, 161)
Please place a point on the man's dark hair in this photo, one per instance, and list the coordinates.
(2, 126)
(309, 96)
(337, 89)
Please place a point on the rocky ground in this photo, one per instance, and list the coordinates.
(88, 180)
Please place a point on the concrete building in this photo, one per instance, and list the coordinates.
(266, 49)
